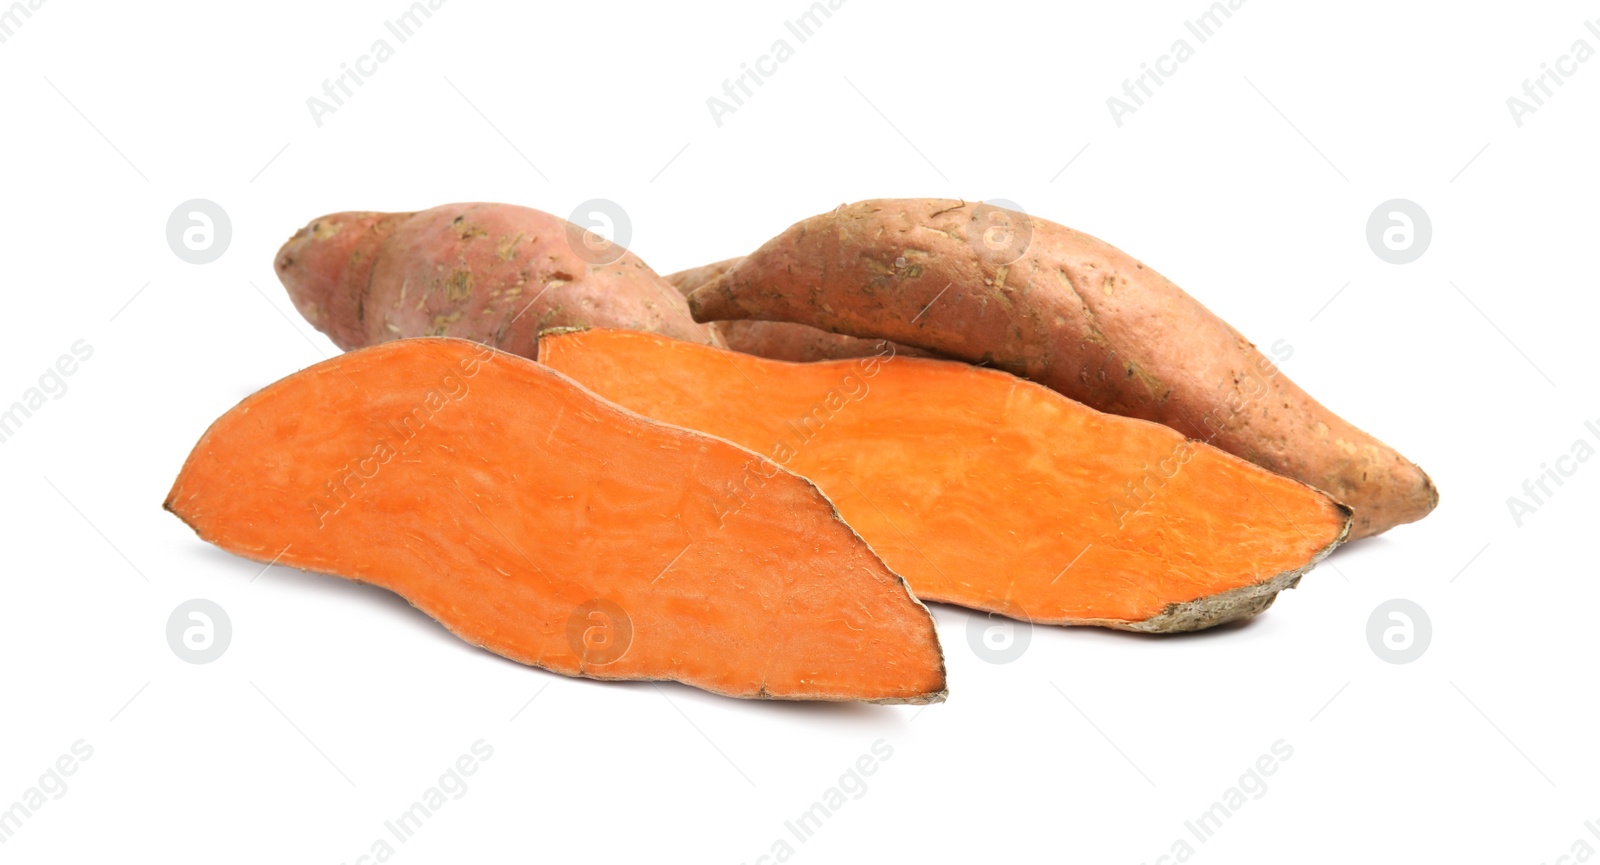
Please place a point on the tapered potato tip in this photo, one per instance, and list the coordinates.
(713, 302)
(689, 279)
(326, 265)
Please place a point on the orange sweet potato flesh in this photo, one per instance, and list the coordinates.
(987, 490)
(494, 273)
(521, 511)
(1073, 313)
(782, 340)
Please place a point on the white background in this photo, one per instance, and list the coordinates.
(1248, 179)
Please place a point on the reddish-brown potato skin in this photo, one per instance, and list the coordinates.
(689, 279)
(492, 273)
(783, 340)
(1073, 313)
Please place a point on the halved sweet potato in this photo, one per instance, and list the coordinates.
(987, 490)
(538, 521)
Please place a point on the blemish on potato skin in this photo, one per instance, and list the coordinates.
(467, 230)
(458, 286)
(508, 248)
(440, 323)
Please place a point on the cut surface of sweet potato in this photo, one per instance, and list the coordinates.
(544, 524)
(989, 491)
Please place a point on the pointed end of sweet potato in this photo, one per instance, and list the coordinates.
(713, 301)
(325, 268)
(1406, 495)
(686, 281)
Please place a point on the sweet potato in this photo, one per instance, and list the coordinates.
(692, 278)
(494, 273)
(1071, 312)
(781, 340)
(549, 526)
(987, 490)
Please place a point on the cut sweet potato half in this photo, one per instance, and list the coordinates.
(538, 521)
(987, 490)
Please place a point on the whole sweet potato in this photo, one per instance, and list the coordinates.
(493, 273)
(1074, 313)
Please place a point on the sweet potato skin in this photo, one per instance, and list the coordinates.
(500, 498)
(990, 491)
(782, 340)
(493, 273)
(1075, 314)
(689, 279)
